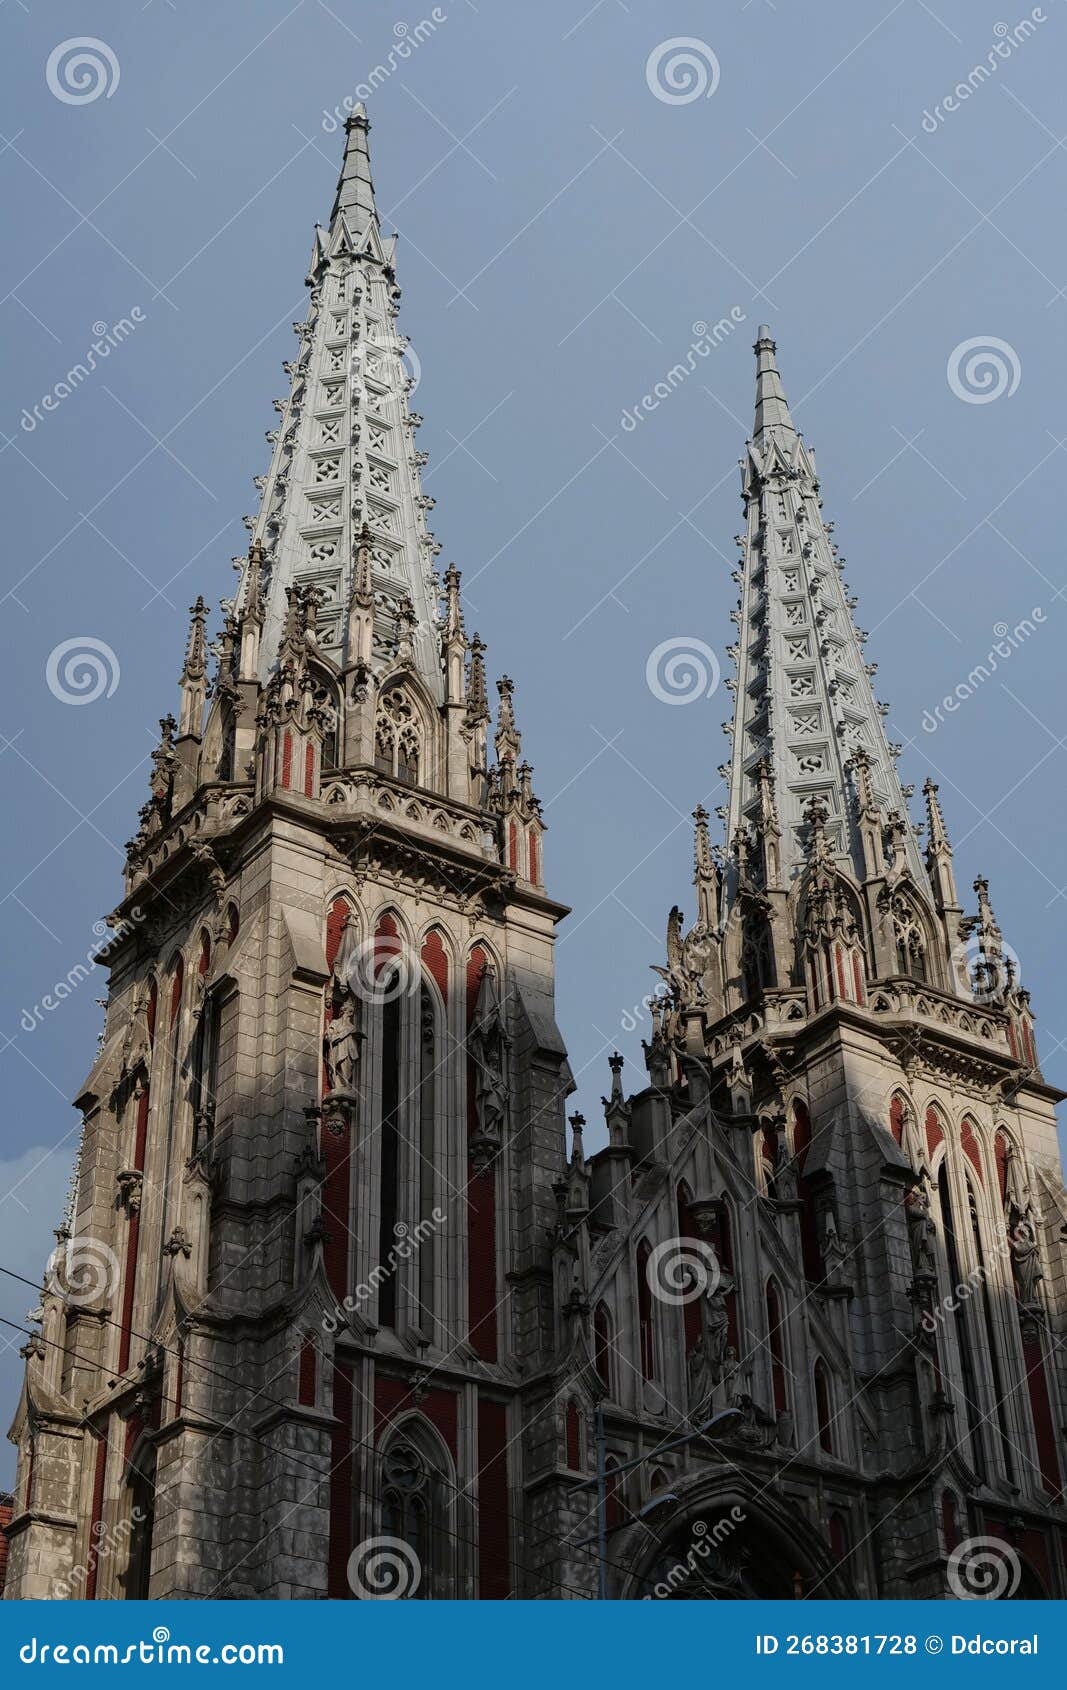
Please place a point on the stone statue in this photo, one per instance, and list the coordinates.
(921, 1229)
(341, 1046)
(1026, 1256)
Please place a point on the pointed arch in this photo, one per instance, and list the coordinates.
(824, 1404)
(417, 1490)
(970, 1146)
(646, 1326)
(936, 1128)
(898, 1115)
(776, 1346)
(603, 1345)
(691, 1319)
(809, 1230)
(573, 1436)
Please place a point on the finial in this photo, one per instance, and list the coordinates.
(363, 583)
(355, 188)
(772, 409)
(477, 697)
(453, 630)
(508, 740)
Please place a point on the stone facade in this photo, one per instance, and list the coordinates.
(336, 1309)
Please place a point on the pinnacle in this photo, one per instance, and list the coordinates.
(772, 407)
(355, 188)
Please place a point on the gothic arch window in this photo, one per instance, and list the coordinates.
(205, 1053)
(839, 1544)
(415, 1505)
(909, 938)
(776, 1348)
(984, 1312)
(613, 1497)
(950, 1521)
(602, 1346)
(824, 1411)
(228, 749)
(429, 1084)
(691, 1306)
(397, 737)
(646, 1326)
(389, 991)
(935, 1130)
(142, 1504)
(328, 702)
(573, 1434)
(971, 1148)
(898, 1114)
(177, 983)
(959, 1318)
(809, 1234)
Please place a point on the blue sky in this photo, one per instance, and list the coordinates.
(563, 228)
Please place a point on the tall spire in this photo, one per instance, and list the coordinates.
(772, 409)
(343, 508)
(355, 188)
(807, 724)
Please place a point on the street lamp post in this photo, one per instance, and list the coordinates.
(721, 1422)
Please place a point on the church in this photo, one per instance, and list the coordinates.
(341, 1306)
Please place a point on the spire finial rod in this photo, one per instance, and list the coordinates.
(355, 188)
(772, 408)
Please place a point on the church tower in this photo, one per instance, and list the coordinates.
(822, 1270)
(303, 1280)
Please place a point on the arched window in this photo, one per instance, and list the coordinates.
(691, 1307)
(137, 1582)
(407, 762)
(897, 1117)
(645, 1321)
(613, 1497)
(809, 1235)
(776, 1346)
(573, 1427)
(388, 990)
(396, 737)
(415, 1509)
(960, 1324)
(823, 1407)
(950, 1529)
(602, 1345)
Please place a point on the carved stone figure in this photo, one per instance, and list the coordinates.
(341, 1044)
